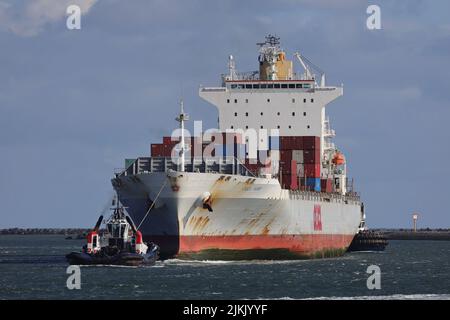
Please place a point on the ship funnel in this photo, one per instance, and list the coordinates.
(273, 64)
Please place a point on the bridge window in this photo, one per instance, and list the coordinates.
(270, 86)
(312, 100)
(263, 86)
(256, 86)
(291, 85)
(248, 86)
(304, 100)
(284, 86)
(235, 100)
(293, 114)
(299, 85)
(228, 100)
(233, 86)
(276, 85)
(304, 113)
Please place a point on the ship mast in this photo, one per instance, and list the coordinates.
(181, 119)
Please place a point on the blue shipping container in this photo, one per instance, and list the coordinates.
(274, 143)
(313, 183)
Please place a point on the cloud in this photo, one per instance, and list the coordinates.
(31, 17)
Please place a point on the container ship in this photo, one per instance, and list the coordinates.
(268, 183)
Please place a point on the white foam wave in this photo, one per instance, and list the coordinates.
(389, 297)
(186, 262)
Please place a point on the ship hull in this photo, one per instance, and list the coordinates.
(251, 218)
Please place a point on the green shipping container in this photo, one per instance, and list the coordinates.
(129, 162)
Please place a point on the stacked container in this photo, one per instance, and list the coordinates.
(305, 153)
(297, 158)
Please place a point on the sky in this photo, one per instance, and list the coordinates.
(75, 103)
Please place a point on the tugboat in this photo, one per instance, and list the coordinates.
(367, 240)
(125, 244)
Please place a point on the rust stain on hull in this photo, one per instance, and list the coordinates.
(198, 223)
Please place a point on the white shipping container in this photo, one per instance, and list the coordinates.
(297, 155)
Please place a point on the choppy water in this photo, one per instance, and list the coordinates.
(33, 267)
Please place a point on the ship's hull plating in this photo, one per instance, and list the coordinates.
(252, 218)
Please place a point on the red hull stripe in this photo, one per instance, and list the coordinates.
(295, 243)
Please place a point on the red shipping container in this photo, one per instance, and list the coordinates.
(285, 155)
(254, 168)
(310, 142)
(291, 143)
(157, 150)
(312, 170)
(311, 156)
(326, 185)
(294, 182)
(167, 140)
(298, 143)
(285, 167)
(168, 150)
(285, 181)
(285, 161)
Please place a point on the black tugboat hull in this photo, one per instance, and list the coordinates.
(368, 241)
(120, 259)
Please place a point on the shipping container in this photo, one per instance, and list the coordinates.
(313, 184)
(285, 181)
(297, 155)
(300, 169)
(285, 155)
(168, 140)
(311, 156)
(312, 170)
(274, 143)
(291, 143)
(326, 185)
(310, 142)
(157, 150)
(129, 162)
(294, 180)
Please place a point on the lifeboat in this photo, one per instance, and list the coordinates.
(338, 159)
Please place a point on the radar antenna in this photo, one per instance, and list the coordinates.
(271, 40)
(268, 52)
